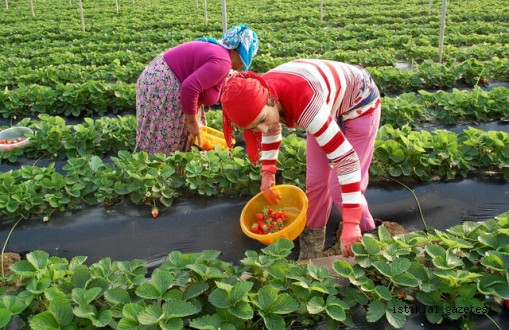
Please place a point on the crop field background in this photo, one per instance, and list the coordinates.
(68, 70)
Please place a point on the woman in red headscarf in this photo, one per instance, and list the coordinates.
(339, 106)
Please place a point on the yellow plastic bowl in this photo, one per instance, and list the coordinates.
(14, 133)
(293, 201)
(213, 137)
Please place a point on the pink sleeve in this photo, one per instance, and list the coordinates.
(209, 79)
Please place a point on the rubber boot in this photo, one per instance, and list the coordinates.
(311, 242)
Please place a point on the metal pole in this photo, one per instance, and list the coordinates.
(82, 16)
(442, 30)
(321, 10)
(225, 24)
(32, 6)
(205, 11)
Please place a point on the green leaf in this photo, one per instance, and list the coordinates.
(162, 279)
(273, 321)
(242, 310)
(5, 317)
(39, 259)
(383, 234)
(85, 311)
(44, 321)
(207, 322)
(179, 309)
(376, 309)
(14, 304)
(315, 305)
(23, 268)
(129, 324)
(405, 279)
(284, 304)
(219, 298)
(239, 291)
(336, 312)
(62, 310)
(103, 319)
(384, 268)
(265, 297)
(435, 251)
(371, 245)
(131, 311)
(396, 313)
(195, 289)
(148, 291)
(117, 296)
(383, 292)
(80, 277)
(85, 296)
(150, 315)
(400, 265)
(171, 324)
(343, 268)
(281, 248)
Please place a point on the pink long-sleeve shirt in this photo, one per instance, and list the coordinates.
(314, 94)
(201, 68)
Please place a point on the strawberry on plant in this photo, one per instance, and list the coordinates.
(155, 212)
(507, 304)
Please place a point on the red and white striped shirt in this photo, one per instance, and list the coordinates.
(314, 94)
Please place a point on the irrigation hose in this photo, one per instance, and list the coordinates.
(416, 200)
(5, 245)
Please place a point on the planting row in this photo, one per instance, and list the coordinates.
(126, 66)
(95, 97)
(87, 179)
(403, 24)
(460, 274)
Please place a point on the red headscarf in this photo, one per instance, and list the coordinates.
(243, 98)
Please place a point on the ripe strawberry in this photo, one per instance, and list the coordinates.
(507, 304)
(3, 141)
(155, 212)
(259, 216)
(484, 81)
(256, 230)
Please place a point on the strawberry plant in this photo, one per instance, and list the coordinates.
(460, 274)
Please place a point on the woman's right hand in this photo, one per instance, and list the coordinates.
(193, 128)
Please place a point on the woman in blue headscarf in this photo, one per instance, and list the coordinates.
(173, 89)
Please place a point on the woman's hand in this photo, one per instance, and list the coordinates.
(193, 128)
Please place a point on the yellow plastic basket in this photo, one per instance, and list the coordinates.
(293, 201)
(210, 138)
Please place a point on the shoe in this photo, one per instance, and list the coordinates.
(311, 242)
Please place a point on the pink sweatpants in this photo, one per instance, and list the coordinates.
(322, 185)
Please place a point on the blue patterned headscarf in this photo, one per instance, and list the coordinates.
(242, 38)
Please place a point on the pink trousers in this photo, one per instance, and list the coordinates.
(322, 185)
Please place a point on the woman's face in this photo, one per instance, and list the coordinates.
(267, 121)
(237, 63)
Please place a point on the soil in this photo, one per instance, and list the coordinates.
(7, 260)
